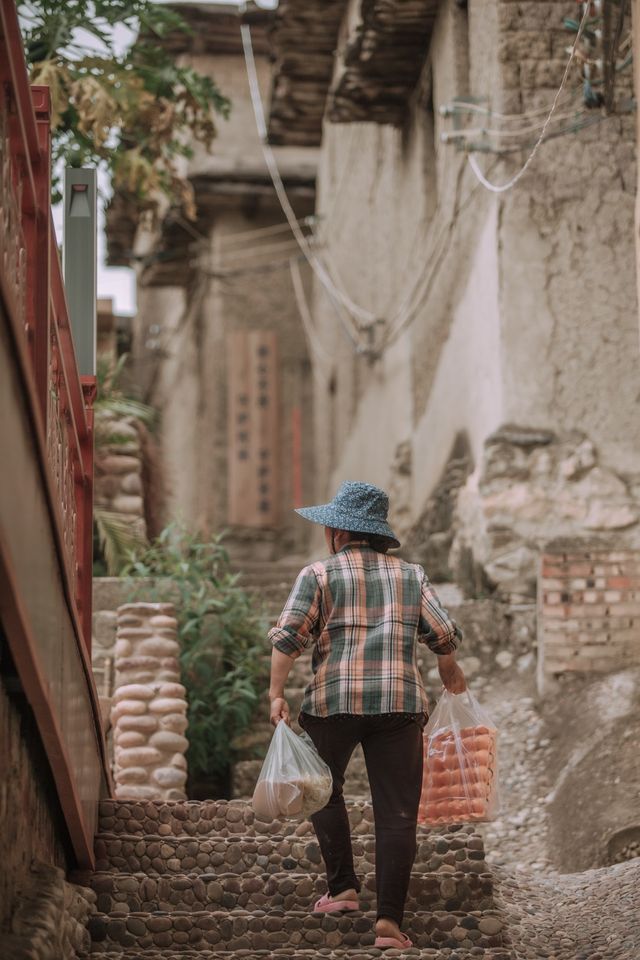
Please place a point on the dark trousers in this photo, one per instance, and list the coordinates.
(393, 752)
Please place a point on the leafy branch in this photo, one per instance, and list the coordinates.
(134, 112)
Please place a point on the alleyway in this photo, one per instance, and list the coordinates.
(375, 241)
(206, 880)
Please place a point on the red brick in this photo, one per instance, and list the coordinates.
(580, 569)
(620, 583)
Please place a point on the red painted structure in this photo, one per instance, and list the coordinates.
(46, 432)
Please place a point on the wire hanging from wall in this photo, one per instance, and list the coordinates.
(357, 321)
(503, 187)
(353, 318)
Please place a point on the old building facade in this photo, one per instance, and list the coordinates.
(218, 345)
(499, 324)
(473, 350)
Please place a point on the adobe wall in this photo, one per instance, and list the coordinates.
(635, 20)
(528, 311)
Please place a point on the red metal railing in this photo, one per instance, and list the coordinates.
(46, 477)
(33, 290)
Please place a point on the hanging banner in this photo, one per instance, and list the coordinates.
(253, 429)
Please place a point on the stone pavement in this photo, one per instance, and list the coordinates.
(592, 915)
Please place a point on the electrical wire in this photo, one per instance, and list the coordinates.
(467, 106)
(259, 250)
(243, 235)
(503, 187)
(588, 121)
(271, 266)
(345, 306)
(494, 132)
(305, 314)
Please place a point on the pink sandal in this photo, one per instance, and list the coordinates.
(326, 905)
(392, 943)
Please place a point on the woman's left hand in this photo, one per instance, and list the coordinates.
(280, 711)
(452, 675)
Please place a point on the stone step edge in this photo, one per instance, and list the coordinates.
(342, 953)
(355, 803)
(176, 839)
(282, 874)
(259, 913)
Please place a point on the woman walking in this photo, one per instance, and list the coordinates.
(363, 612)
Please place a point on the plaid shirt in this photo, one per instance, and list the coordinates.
(363, 613)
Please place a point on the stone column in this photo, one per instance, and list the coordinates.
(149, 712)
(118, 480)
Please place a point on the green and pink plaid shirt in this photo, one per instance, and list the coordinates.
(364, 612)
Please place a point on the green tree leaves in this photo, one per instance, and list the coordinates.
(136, 112)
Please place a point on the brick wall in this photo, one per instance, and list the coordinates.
(589, 611)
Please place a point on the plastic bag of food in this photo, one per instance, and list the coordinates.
(460, 779)
(294, 780)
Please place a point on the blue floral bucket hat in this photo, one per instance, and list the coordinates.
(358, 507)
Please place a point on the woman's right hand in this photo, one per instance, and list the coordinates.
(280, 711)
(451, 674)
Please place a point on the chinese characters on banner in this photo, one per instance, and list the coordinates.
(253, 429)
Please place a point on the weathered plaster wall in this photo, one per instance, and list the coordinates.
(635, 19)
(387, 199)
(184, 363)
(568, 303)
(527, 312)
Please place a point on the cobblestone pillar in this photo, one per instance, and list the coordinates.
(149, 712)
(118, 481)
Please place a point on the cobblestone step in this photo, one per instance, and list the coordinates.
(130, 893)
(257, 855)
(369, 953)
(219, 818)
(261, 930)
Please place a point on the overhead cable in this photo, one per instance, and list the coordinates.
(503, 187)
(305, 314)
(343, 302)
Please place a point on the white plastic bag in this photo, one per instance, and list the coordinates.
(294, 780)
(460, 779)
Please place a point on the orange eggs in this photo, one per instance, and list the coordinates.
(459, 782)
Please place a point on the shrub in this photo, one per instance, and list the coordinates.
(222, 643)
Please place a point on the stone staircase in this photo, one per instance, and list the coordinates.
(206, 880)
